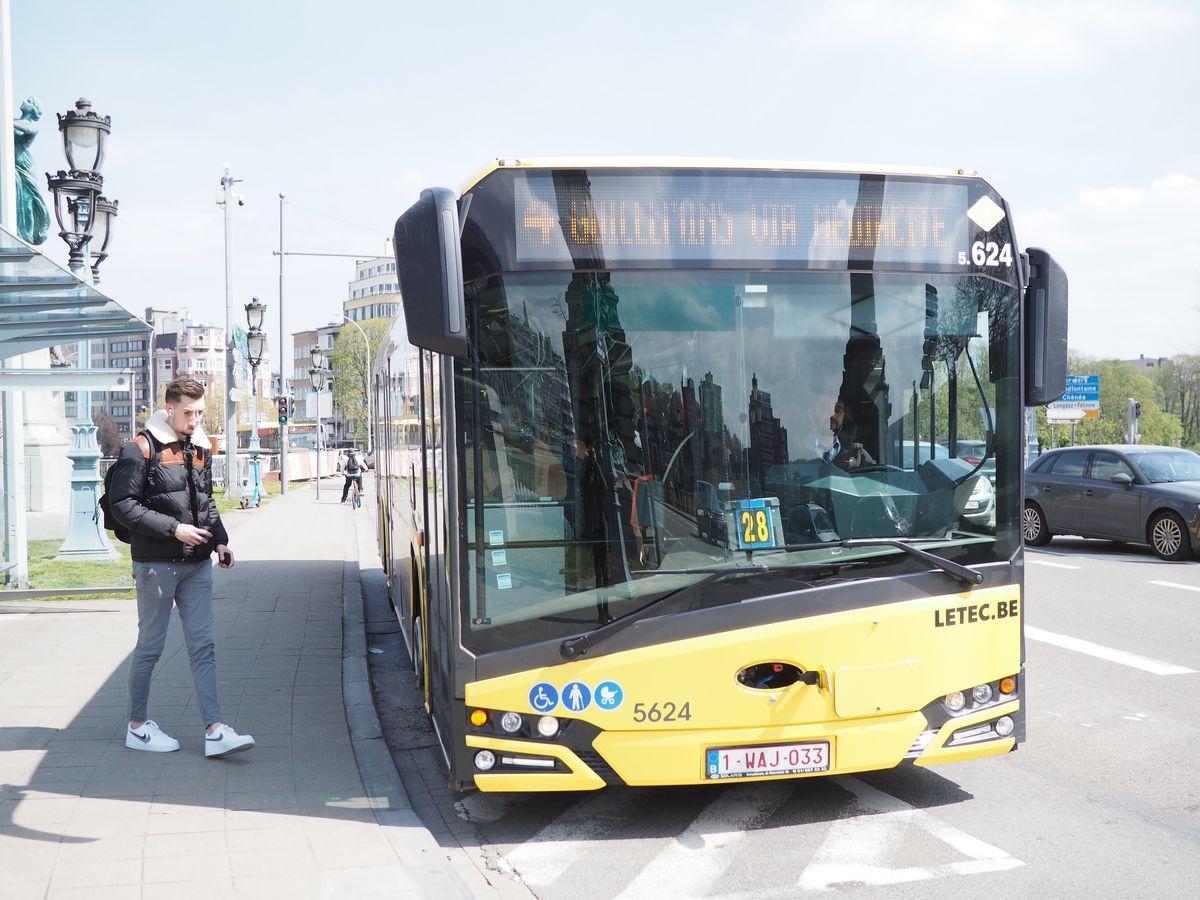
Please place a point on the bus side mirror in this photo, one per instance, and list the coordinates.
(1045, 330)
(429, 266)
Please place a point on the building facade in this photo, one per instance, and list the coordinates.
(375, 291)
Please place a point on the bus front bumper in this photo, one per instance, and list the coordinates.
(677, 757)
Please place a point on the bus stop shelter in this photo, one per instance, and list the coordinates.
(43, 305)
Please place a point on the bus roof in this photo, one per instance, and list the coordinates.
(693, 162)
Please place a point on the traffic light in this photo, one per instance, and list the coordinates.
(283, 410)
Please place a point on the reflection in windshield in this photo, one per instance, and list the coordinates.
(619, 423)
(1161, 466)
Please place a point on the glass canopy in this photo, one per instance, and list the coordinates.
(43, 305)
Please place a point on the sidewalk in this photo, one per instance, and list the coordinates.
(80, 815)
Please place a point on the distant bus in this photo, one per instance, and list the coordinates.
(651, 511)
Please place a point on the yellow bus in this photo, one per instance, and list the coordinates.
(682, 468)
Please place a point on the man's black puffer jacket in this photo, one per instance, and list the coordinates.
(155, 486)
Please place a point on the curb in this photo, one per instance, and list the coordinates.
(415, 846)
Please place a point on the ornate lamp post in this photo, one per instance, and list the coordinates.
(79, 212)
(256, 345)
(319, 375)
(106, 214)
(77, 190)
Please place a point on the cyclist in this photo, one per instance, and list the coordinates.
(352, 468)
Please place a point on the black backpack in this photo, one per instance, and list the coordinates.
(120, 532)
(353, 466)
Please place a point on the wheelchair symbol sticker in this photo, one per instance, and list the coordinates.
(543, 697)
(609, 695)
(576, 696)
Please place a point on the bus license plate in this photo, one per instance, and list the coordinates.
(776, 759)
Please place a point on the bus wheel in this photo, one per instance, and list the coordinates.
(1168, 537)
(419, 653)
(1033, 526)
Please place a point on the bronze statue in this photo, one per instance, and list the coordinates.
(32, 219)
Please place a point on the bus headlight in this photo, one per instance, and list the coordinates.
(982, 693)
(484, 760)
(1004, 726)
(955, 701)
(547, 726)
(511, 722)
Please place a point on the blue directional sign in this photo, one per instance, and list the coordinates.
(1081, 388)
(1083, 392)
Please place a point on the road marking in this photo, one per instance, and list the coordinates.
(548, 854)
(857, 846)
(1046, 562)
(693, 861)
(1174, 584)
(1145, 663)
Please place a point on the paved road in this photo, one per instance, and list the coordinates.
(1104, 799)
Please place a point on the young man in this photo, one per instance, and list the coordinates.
(352, 469)
(161, 490)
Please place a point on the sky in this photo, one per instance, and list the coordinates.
(1081, 114)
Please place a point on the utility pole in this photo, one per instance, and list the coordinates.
(13, 402)
(283, 361)
(225, 197)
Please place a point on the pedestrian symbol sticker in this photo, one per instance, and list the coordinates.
(543, 697)
(609, 695)
(576, 696)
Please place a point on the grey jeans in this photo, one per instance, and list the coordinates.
(189, 587)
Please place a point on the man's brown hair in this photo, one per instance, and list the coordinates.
(184, 387)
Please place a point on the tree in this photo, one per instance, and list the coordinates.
(350, 376)
(1178, 383)
(107, 435)
(1119, 381)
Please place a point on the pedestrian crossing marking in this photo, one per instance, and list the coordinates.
(856, 848)
(692, 862)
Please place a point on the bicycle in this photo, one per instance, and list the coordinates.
(355, 495)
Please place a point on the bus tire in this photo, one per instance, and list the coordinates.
(1034, 531)
(1168, 536)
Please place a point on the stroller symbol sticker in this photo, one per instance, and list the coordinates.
(543, 697)
(609, 695)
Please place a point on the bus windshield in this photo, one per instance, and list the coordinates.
(619, 423)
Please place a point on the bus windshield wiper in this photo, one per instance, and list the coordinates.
(579, 645)
(962, 573)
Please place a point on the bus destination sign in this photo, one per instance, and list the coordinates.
(808, 220)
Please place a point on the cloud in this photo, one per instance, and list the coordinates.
(1133, 265)
(1025, 34)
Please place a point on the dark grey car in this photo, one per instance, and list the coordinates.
(1134, 493)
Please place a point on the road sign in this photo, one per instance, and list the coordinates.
(1083, 393)
(1064, 416)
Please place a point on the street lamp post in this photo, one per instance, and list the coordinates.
(256, 344)
(78, 211)
(319, 375)
(226, 197)
(370, 398)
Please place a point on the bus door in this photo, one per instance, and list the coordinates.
(437, 620)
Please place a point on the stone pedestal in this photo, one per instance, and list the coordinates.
(87, 538)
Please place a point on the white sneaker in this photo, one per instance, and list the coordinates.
(224, 741)
(150, 737)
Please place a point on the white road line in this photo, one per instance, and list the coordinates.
(545, 856)
(857, 846)
(692, 862)
(1046, 562)
(1182, 587)
(1145, 663)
